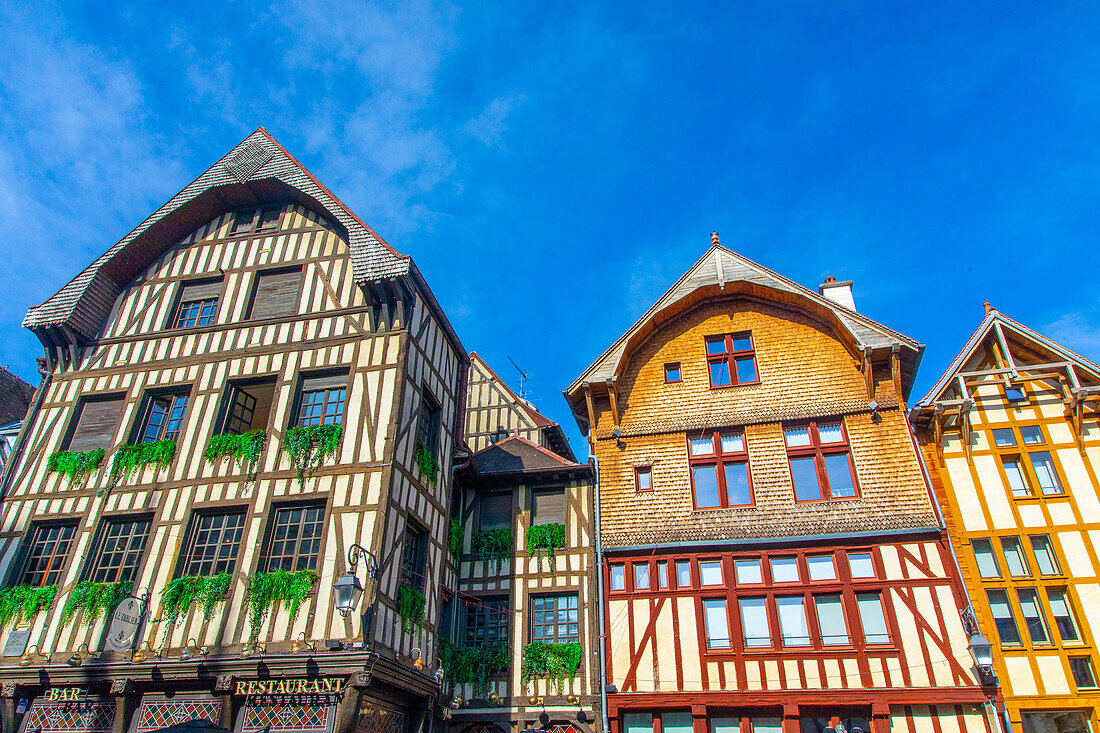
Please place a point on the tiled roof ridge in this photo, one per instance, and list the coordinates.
(540, 420)
(980, 335)
(716, 247)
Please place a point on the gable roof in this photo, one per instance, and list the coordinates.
(721, 270)
(255, 171)
(994, 318)
(515, 454)
(15, 397)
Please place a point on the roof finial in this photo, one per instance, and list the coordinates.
(714, 238)
(988, 307)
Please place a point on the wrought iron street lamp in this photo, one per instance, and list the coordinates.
(348, 588)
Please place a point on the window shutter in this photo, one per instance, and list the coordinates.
(96, 424)
(330, 381)
(496, 511)
(204, 290)
(276, 293)
(548, 507)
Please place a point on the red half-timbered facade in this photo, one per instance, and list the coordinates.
(771, 557)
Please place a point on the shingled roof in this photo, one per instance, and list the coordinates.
(519, 455)
(259, 169)
(723, 271)
(15, 397)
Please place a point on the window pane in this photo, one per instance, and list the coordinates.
(784, 570)
(675, 723)
(683, 574)
(742, 343)
(718, 634)
(645, 478)
(987, 562)
(638, 723)
(860, 565)
(1045, 473)
(797, 437)
(720, 372)
(701, 446)
(746, 370)
(672, 372)
(1014, 394)
(754, 622)
(710, 572)
(662, 574)
(1082, 671)
(1014, 556)
(1003, 437)
(1031, 434)
(1044, 555)
(768, 725)
(725, 725)
(872, 618)
(716, 345)
(1033, 615)
(821, 567)
(738, 492)
(1015, 475)
(830, 433)
(792, 621)
(706, 486)
(839, 472)
(748, 571)
(1063, 618)
(804, 475)
(641, 576)
(1003, 617)
(830, 616)
(618, 578)
(734, 443)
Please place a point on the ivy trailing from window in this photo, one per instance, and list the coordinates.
(180, 594)
(245, 449)
(309, 445)
(78, 465)
(543, 539)
(556, 662)
(268, 591)
(492, 544)
(426, 462)
(473, 665)
(95, 600)
(129, 459)
(22, 602)
(454, 538)
(410, 607)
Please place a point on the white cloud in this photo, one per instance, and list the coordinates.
(1076, 331)
(489, 126)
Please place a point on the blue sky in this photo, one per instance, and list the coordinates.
(553, 168)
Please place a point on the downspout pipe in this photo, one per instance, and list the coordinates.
(601, 598)
(25, 428)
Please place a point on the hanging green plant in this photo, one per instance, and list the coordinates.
(244, 448)
(308, 446)
(426, 462)
(268, 591)
(473, 665)
(180, 594)
(556, 662)
(78, 465)
(543, 539)
(492, 544)
(410, 607)
(129, 459)
(95, 600)
(454, 538)
(22, 602)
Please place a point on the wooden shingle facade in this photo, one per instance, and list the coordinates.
(771, 556)
(252, 301)
(1011, 436)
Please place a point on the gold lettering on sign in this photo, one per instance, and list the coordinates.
(242, 688)
(291, 686)
(65, 694)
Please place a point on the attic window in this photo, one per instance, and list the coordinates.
(1015, 394)
(731, 360)
(672, 372)
(256, 220)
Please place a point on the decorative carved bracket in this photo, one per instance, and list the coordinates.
(224, 683)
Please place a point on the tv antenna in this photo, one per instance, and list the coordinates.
(523, 379)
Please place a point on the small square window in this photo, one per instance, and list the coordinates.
(1082, 671)
(1003, 437)
(641, 576)
(672, 372)
(1015, 394)
(683, 573)
(618, 577)
(710, 572)
(1032, 435)
(785, 570)
(748, 572)
(821, 567)
(643, 478)
(861, 565)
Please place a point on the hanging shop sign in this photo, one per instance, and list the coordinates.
(125, 625)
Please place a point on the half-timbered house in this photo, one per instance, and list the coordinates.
(248, 414)
(771, 556)
(1011, 435)
(523, 652)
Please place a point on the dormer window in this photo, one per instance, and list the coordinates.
(198, 304)
(256, 220)
(731, 360)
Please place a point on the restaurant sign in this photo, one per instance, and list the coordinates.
(292, 686)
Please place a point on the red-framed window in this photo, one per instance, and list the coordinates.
(673, 373)
(643, 478)
(731, 360)
(719, 463)
(821, 461)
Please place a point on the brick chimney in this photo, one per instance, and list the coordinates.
(838, 292)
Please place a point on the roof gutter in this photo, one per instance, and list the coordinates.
(768, 541)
